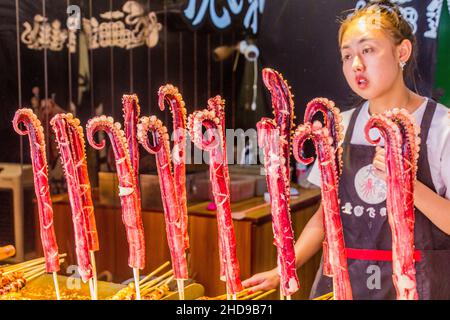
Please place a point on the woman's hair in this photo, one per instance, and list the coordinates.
(388, 17)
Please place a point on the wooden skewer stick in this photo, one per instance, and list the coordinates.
(91, 288)
(156, 286)
(36, 275)
(23, 264)
(26, 264)
(158, 279)
(136, 283)
(31, 271)
(147, 277)
(251, 296)
(327, 296)
(161, 285)
(152, 285)
(225, 296)
(55, 282)
(265, 294)
(180, 286)
(94, 293)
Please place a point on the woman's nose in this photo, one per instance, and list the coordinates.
(357, 64)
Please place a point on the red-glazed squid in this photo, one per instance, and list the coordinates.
(283, 110)
(400, 133)
(170, 95)
(336, 255)
(268, 139)
(131, 213)
(60, 129)
(274, 137)
(169, 192)
(213, 119)
(35, 132)
(332, 120)
(131, 111)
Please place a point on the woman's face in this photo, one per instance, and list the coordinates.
(369, 60)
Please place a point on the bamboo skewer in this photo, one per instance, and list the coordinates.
(161, 267)
(136, 283)
(55, 282)
(94, 294)
(180, 286)
(251, 296)
(265, 294)
(19, 266)
(157, 285)
(158, 279)
(328, 296)
(36, 275)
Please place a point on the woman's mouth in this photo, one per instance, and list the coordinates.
(362, 82)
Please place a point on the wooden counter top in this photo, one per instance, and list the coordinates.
(256, 209)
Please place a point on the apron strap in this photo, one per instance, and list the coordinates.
(424, 174)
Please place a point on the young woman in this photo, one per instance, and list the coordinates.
(377, 48)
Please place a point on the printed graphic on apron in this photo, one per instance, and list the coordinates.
(370, 188)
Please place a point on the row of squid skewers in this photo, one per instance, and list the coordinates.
(275, 136)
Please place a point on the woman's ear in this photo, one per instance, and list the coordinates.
(404, 50)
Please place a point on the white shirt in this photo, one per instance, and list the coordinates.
(438, 143)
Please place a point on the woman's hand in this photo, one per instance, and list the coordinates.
(379, 162)
(263, 281)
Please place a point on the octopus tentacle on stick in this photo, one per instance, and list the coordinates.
(78, 148)
(131, 112)
(170, 95)
(35, 132)
(131, 213)
(59, 126)
(268, 139)
(336, 256)
(213, 142)
(333, 122)
(169, 192)
(283, 110)
(402, 147)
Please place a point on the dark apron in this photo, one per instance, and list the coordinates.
(367, 233)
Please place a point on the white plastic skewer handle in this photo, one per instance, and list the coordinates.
(55, 281)
(180, 286)
(136, 283)
(94, 272)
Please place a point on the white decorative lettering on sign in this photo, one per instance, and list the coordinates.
(221, 17)
(130, 28)
(433, 16)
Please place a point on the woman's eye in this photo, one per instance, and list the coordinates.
(346, 57)
(367, 50)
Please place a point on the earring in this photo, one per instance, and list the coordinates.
(402, 64)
